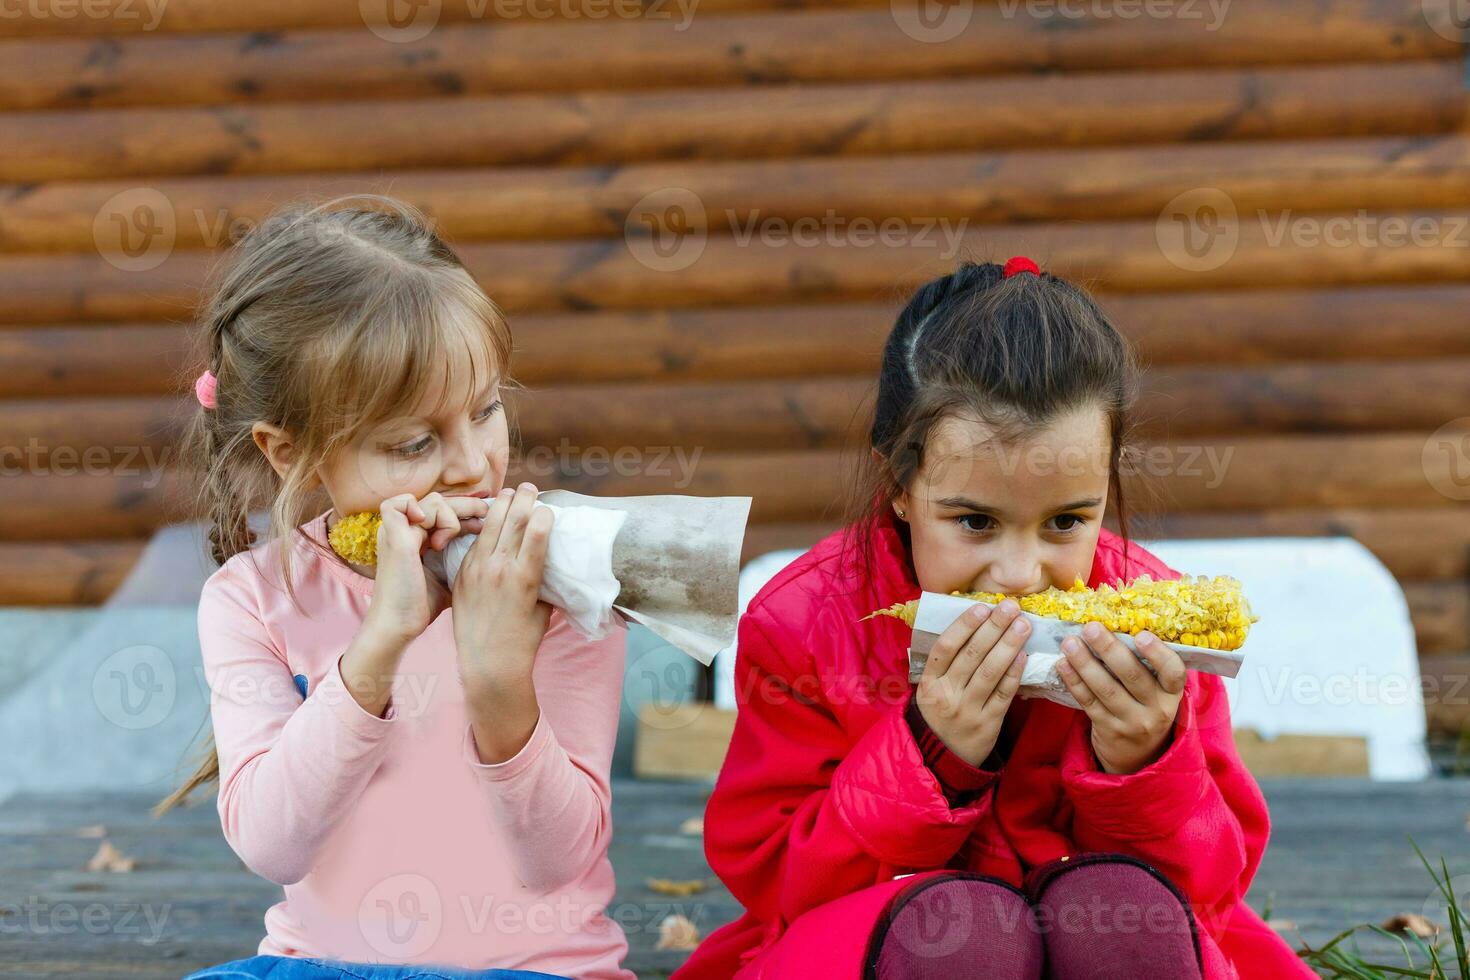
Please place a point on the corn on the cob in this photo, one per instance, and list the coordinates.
(355, 538)
(1194, 611)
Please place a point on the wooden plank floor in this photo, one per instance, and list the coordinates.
(1339, 855)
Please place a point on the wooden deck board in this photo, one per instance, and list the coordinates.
(1339, 855)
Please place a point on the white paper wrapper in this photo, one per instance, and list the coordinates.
(671, 563)
(1039, 679)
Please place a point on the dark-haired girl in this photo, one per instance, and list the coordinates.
(878, 830)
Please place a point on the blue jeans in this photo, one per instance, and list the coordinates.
(307, 968)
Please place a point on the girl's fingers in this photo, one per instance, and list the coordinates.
(494, 520)
(405, 504)
(1170, 666)
(1101, 683)
(1010, 682)
(1136, 679)
(468, 507)
(516, 519)
(954, 637)
(999, 660)
(1078, 688)
(440, 520)
(533, 545)
(982, 642)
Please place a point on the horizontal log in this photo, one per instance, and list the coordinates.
(141, 17)
(69, 573)
(726, 271)
(63, 361)
(695, 418)
(919, 190)
(1440, 610)
(808, 486)
(487, 57)
(1417, 97)
(1260, 326)
(1414, 543)
(1445, 681)
(1220, 329)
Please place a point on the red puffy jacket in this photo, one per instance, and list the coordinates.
(824, 797)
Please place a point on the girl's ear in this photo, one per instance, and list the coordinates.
(275, 443)
(900, 503)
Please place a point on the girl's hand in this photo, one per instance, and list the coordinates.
(1132, 710)
(971, 677)
(498, 621)
(407, 597)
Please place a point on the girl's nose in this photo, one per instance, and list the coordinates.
(465, 461)
(1016, 577)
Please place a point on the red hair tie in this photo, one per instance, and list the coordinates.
(1019, 263)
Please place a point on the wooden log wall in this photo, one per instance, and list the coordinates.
(1327, 346)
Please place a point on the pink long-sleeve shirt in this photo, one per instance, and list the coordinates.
(394, 843)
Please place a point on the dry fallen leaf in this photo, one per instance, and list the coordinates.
(96, 830)
(677, 932)
(668, 886)
(1412, 922)
(109, 858)
(694, 827)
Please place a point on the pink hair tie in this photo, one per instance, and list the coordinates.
(204, 387)
(1019, 263)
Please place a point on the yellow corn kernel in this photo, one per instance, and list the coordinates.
(1193, 611)
(355, 538)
